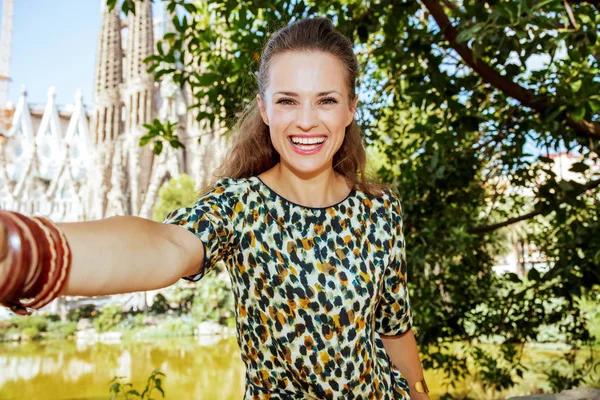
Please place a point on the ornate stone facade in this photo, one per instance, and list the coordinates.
(73, 165)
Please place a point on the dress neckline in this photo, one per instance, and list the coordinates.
(283, 199)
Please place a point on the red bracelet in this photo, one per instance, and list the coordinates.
(39, 253)
(37, 265)
(17, 259)
(58, 276)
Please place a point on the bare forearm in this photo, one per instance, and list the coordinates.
(405, 356)
(120, 255)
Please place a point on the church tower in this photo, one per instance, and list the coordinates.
(106, 115)
(107, 125)
(140, 105)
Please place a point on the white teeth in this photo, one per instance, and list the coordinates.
(298, 140)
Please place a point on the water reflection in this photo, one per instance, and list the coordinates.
(206, 369)
(66, 370)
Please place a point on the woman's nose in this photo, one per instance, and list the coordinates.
(307, 117)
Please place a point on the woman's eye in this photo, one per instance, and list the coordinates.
(329, 100)
(285, 101)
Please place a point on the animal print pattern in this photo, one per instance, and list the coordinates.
(314, 288)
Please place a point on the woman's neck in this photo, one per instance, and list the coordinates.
(321, 189)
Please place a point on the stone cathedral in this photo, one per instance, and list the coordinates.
(73, 164)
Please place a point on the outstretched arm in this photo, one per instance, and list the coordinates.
(128, 254)
(125, 254)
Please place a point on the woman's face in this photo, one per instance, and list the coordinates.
(307, 108)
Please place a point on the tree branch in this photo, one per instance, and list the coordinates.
(489, 228)
(488, 74)
(571, 15)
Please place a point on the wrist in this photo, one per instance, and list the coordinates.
(420, 387)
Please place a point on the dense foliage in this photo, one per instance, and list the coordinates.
(176, 193)
(467, 100)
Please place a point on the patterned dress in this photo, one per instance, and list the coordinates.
(314, 288)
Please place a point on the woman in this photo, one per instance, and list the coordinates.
(315, 254)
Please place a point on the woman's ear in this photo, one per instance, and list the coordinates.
(261, 108)
(353, 106)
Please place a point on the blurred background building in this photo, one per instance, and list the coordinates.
(74, 164)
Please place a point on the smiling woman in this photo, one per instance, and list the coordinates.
(305, 120)
(315, 253)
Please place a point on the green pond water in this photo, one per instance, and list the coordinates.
(67, 370)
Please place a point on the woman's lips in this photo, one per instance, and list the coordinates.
(307, 149)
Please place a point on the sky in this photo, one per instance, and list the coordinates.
(54, 44)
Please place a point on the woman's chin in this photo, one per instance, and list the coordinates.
(308, 168)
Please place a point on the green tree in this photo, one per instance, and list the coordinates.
(467, 100)
(175, 193)
(109, 317)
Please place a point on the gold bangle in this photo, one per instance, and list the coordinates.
(421, 386)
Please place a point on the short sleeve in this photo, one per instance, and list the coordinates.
(393, 315)
(212, 220)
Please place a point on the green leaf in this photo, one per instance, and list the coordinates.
(513, 277)
(578, 114)
(584, 18)
(467, 34)
(533, 274)
(597, 258)
(147, 138)
(575, 86)
(594, 105)
(579, 167)
(149, 127)
(541, 4)
(191, 8)
(565, 185)
(208, 78)
(158, 146)
(176, 144)
(556, 112)
(111, 4)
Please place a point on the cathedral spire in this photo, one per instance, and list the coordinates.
(139, 98)
(106, 116)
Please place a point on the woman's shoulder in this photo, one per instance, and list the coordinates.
(383, 194)
(385, 201)
(232, 188)
(233, 184)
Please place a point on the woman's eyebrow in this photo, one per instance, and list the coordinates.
(294, 94)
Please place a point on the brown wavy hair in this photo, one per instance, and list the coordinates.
(252, 152)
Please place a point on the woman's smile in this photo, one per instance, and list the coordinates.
(307, 144)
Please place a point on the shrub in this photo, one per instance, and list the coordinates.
(127, 391)
(61, 330)
(85, 311)
(30, 333)
(39, 322)
(160, 305)
(214, 300)
(109, 317)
